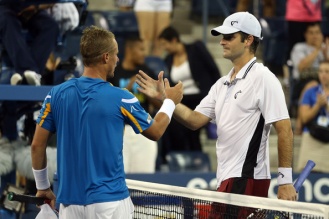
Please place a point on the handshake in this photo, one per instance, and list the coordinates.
(159, 89)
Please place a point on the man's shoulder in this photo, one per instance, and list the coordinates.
(64, 84)
(260, 67)
(260, 71)
(118, 93)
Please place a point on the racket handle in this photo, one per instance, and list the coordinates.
(27, 198)
(303, 175)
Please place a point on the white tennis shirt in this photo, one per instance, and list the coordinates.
(243, 111)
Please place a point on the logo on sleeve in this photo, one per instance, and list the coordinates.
(133, 109)
(149, 119)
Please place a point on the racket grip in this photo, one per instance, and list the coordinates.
(303, 175)
(27, 198)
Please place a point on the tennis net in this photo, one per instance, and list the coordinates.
(157, 201)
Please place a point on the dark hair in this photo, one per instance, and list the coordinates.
(131, 40)
(311, 24)
(255, 43)
(169, 34)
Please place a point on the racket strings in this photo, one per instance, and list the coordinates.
(266, 214)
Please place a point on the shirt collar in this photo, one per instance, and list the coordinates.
(242, 73)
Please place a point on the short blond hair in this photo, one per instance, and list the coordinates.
(94, 43)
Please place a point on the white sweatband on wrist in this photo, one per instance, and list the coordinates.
(41, 178)
(284, 175)
(167, 107)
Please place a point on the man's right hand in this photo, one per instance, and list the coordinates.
(159, 89)
(174, 93)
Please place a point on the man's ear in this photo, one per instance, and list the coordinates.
(106, 57)
(250, 39)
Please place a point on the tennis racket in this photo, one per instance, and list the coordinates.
(262, 213)
(27, 198)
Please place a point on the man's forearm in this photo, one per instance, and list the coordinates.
(39, 166)
(38, 148)
(39, 159)
(285, 147)
(182, 114)
(285, 151)
(189, 118)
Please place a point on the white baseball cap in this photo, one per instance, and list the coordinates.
(239, 21)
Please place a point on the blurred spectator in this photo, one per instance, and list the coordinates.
(125, 5)
(152, 16)
(299, 13)
(28, 58)
(66, 15)
(268, 7)
(314, 107)
(306, 57)
(195, 67)
(51, 65)
(139, 152)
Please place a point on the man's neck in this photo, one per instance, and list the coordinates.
(239, 63)
(92, 72)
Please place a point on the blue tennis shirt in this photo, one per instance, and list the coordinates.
(89, 116)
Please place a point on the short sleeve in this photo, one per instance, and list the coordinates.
(135, 115)
(208, 103)
(45, 118)
(271, 99)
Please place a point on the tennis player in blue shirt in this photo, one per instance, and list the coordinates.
(89, 114)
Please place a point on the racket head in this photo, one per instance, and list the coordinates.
(267, 214)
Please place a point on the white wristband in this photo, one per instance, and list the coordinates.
(41, 178)
(167, 107)
(284, 175)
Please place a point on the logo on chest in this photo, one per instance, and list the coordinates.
(236, 94)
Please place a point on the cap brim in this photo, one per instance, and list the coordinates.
(223, 30)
